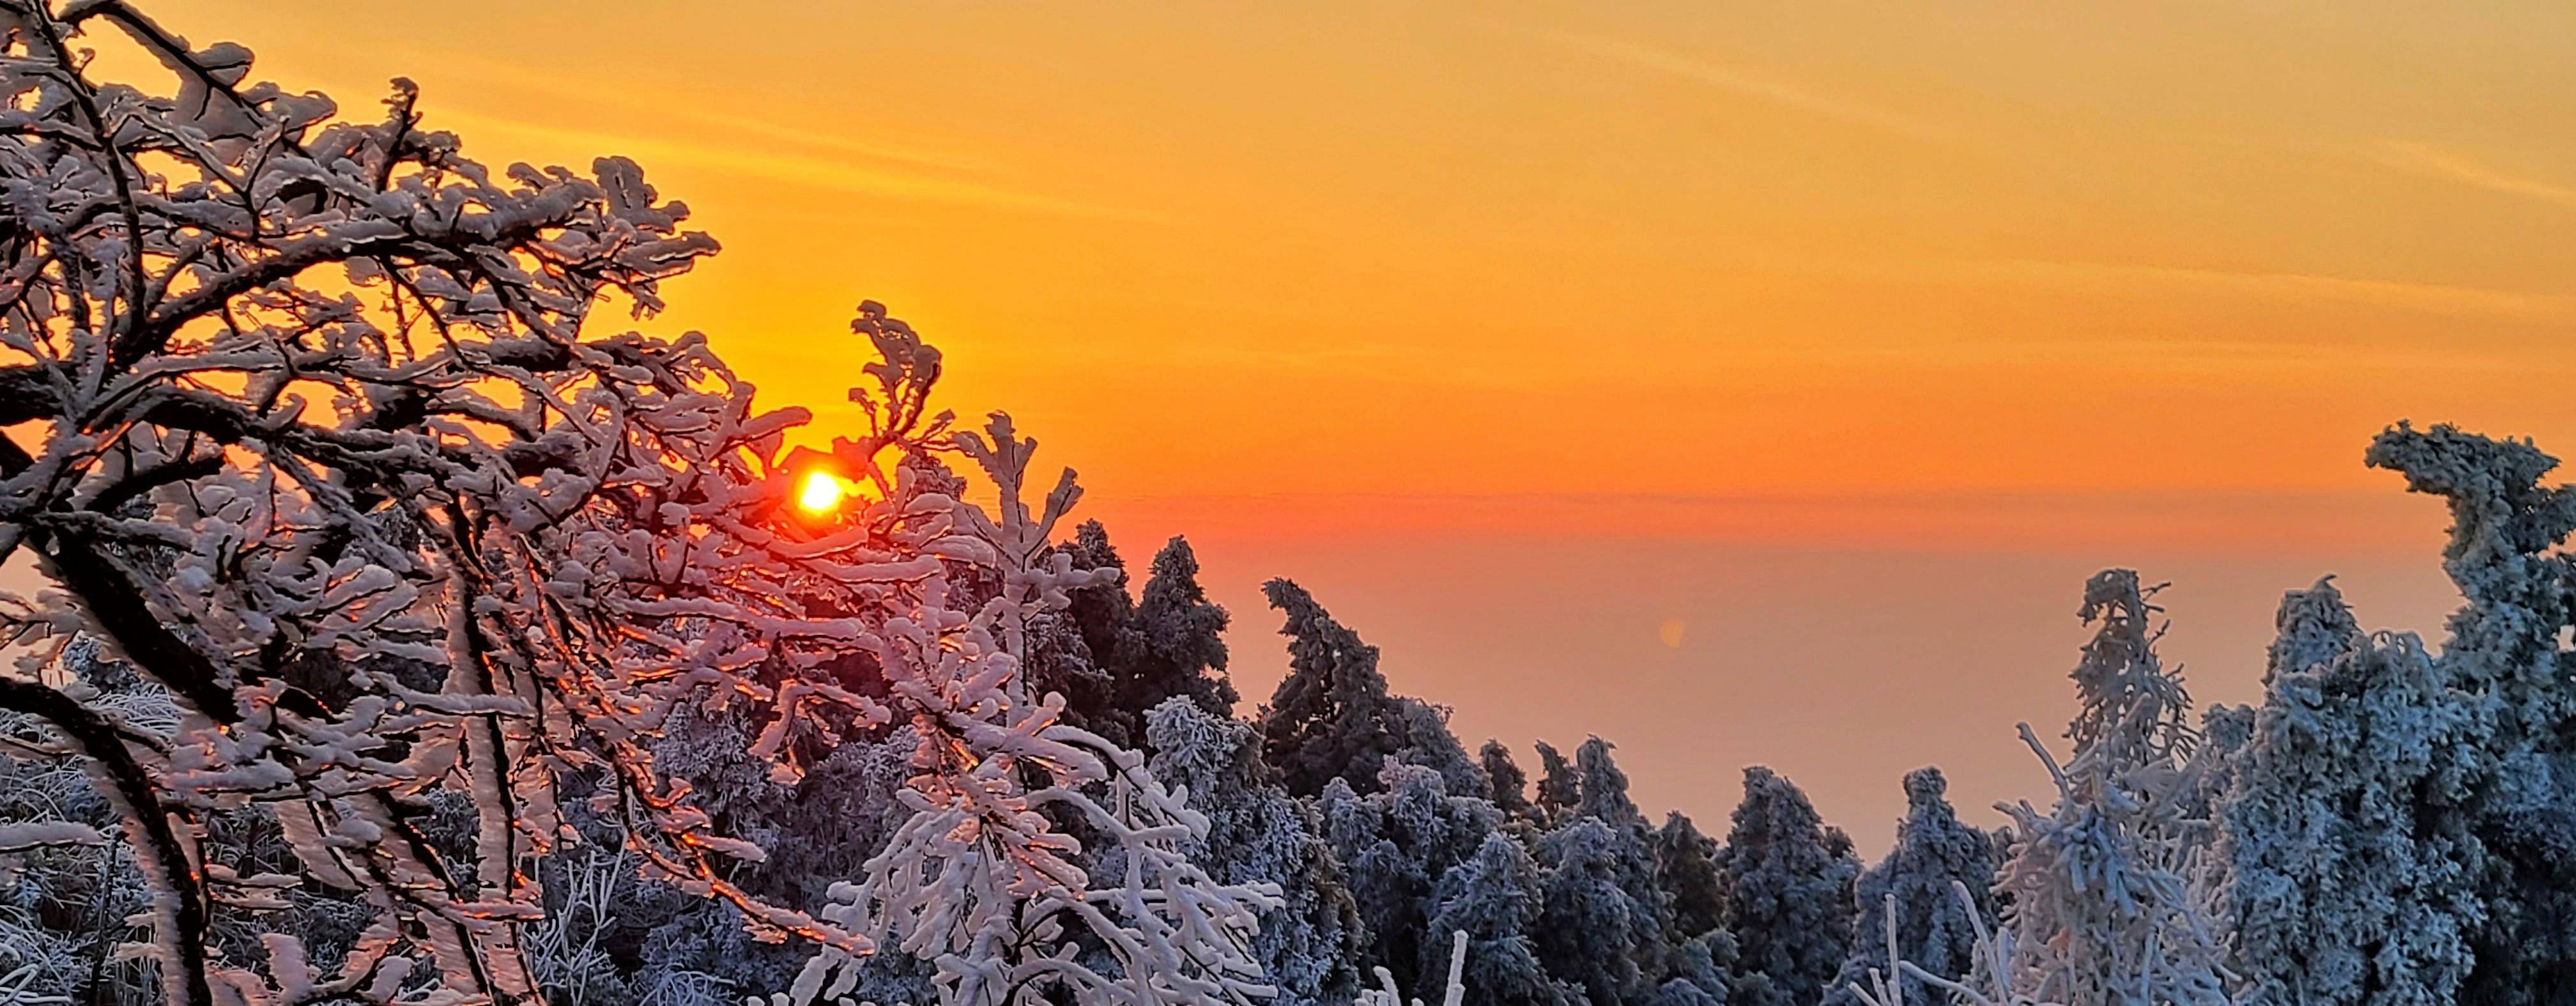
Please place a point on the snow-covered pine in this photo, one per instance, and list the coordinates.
(2101, 912)
(1935, 853)
(2506, 659)
(1788, 879)
(1559, 789)
(1686, 870)
(1394, 846)
(1605, 921)
(2334, 891)
(1492, 900)
(1507, 785)
(327, 442)
(1259, 834)
(1332, 717)
(1602, 918)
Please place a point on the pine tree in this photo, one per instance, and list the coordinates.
(1686, 870)
(2517, 763)
(2337, 891)
(1600, 929)
(1606, 919)
(2102, 908)
(1935, 855)
(1788, 882)
(1604, 793)
(1559, 789)
(1495, 897)
(1310, 945)
(1114, 658)
(1395, 844)
(1509, 786)
(1179, 644)
(1333, 718)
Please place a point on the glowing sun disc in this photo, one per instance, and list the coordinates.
(821, 493)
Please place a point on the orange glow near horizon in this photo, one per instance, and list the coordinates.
(1769, 253)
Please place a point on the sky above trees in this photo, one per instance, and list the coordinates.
(1850, 340)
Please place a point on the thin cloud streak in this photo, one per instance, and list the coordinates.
(789, 168)
(574, 88)
(2431, 298)
(1738, 82)
(2425, 159)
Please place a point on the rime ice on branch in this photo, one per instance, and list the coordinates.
(2101, 909)
(311, 420)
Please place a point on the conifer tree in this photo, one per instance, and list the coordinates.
(1333, 718)
(1604, 793)
(1598, 928)
(1935, 856)
(2504, 653)
(1788, 883)
(1606, 919)
(2336, 892)
(1114, 658)
(2102, 908)
(1509, 786)
(1559, 789)
(1179, 639)
(1310, 945)
(1394, 845)
(1495, 897)
(1686, 870)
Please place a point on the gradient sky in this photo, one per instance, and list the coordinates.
(1741, 381)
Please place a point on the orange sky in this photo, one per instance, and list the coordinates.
(1635, 312)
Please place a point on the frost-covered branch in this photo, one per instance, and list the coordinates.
(312, 422)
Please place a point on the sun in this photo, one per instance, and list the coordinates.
(821, 493)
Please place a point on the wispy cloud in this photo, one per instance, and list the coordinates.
(2427, 159)
(701, 131)
(779, 166)
(701, 109)
(1738, 81)
(2426, 297)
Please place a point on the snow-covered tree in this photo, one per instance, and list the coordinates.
(2335, 891)
(1606, 923)
(1934, 856)
(1394, 846)
(1686, 871)
(1509, 786)
(1604, 794)
(311, 421)
(1121, 657)
(1333, 718)
(2101, 912)
(1788, 882)
(1180, 645)
(2517, 761)
(1495, 897)
(1257, 833)
(1601, 924)
(1559, 789)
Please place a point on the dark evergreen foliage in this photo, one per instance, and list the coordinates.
(1935, 857)
(1788, 881)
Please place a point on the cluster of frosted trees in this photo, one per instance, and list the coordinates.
(413, 633)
